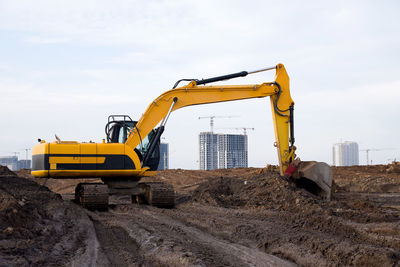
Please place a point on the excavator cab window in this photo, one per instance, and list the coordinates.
(122, 135)
(117, 131)
(145, 145)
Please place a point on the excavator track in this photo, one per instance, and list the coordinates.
(158, 194)
(92, 196)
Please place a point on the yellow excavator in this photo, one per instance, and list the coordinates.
(131, 148)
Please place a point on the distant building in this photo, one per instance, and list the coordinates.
(222, 151)
(164, 157)
(24, 164)
(345, 154)
(232, 151)
(14, 164)
(11, 162)
(208, 151)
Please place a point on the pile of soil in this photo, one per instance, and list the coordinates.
(25, 173)
(4, 171)
(38, 228)
(338, 232)
(183, 179)
(274, 192)
(59, 186)
(367, 179)
(268, 190)
(231, 217)
(394, 167)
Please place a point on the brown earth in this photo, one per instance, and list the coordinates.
(234, 217)
(365, 179)
(37, 227)
(4, 171)
(394, 167)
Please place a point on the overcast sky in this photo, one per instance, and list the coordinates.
(66, 65)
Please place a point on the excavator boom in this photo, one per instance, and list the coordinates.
(192, 94)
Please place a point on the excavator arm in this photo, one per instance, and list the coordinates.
(193, 94)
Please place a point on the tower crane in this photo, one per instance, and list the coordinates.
(26, 157)
(240, 128)
(212, 119)
(373, 149)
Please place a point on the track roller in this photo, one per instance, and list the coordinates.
(92, 196)
(157, 194)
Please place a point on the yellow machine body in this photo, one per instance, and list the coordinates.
(83, 160)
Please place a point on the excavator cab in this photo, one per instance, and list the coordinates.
(117, 130)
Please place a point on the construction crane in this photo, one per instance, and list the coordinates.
(26, 157)
(240, 128)
(8, 152)
(373, 149)
(212, 120)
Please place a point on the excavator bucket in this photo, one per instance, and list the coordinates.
(315, 177)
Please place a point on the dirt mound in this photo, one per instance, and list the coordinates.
(37, 227)
(394, 167)
(25, 173)
(182, 179)
(268, 190)
(339, 232)
(235, 217)
(61, 186)
(4, 171)
(368, 179)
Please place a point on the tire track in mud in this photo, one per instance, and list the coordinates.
(195, 234)
(261, 235)
(115, 246)
(385, 200)
(266, 233)
(289, 236)
(316, 241)
(165, 240)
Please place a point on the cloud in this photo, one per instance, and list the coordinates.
(91, 58)
(46, 40)
(28, 96)
(6, 67)
(365, 114)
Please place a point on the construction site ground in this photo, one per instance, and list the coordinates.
(233, 217)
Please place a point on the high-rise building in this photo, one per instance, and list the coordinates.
(208, 151)
(164, 157)
(232, 151)
(11, 162)
(14, 164)
(345, 154)
(222, 151)
(24, 164)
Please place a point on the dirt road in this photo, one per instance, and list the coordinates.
(172, 238)
(243, 217)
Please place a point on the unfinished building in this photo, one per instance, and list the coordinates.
(222, 151)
